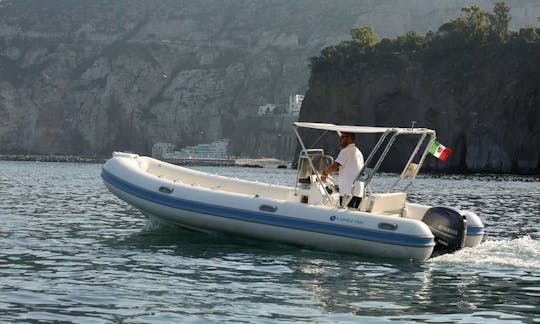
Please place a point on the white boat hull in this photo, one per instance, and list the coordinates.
(257, 216)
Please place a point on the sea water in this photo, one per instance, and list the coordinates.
(70, 251)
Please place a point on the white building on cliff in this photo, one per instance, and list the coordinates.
(295, 102)
(292, 108)
(267, 109)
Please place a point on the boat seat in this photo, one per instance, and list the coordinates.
(384, 203)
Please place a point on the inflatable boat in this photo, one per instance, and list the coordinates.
(308, 214)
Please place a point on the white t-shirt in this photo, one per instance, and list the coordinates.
(351, 161)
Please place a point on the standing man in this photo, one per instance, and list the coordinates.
(349, 162)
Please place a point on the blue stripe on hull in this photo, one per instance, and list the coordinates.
(475, 230)
(274, 220)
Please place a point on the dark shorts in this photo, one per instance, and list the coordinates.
(354, 203)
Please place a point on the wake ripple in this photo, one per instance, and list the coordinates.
(521, 253)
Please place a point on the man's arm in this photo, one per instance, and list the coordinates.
(331, 169)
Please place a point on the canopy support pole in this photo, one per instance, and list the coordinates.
(304, 151)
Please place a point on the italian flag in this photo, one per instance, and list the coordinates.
(439, 151)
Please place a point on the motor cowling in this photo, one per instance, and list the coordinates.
(449, 226)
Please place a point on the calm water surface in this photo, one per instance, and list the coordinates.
(73, 252)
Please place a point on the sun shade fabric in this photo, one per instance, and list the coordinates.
(362, 129)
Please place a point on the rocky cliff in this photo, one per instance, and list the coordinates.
(485, 105)
(89, 77)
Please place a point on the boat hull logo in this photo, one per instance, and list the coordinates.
(346, 220)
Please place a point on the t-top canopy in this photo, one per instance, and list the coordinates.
(363, 129)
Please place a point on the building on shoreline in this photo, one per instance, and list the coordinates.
(159, 150)
(214, 150)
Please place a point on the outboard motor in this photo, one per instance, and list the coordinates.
(449, 226)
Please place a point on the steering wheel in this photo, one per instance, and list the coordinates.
(332, 183)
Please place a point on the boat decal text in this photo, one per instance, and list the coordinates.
(346, 220)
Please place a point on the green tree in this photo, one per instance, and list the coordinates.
(464, 39)
(500, 20)
(477, 23)
(529, 34)
(472, 27)
(365, 37)
(412, 41)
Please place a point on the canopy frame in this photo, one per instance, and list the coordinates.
(381, 148)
